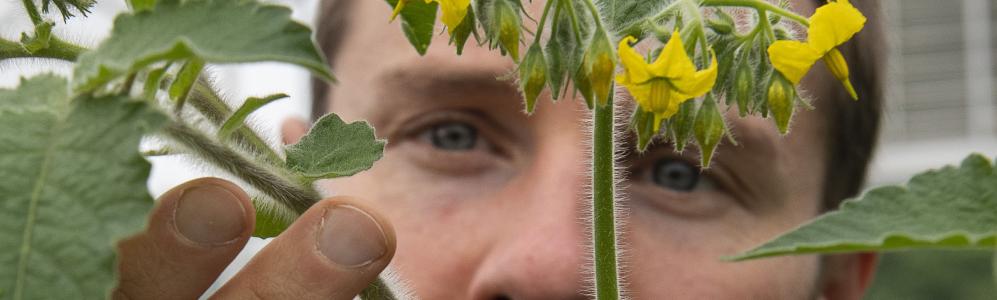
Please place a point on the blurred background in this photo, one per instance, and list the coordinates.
(941, 105)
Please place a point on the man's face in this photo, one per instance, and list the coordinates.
(488, 202)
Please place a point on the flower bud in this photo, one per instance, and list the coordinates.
(532, 76)
(836, 64)
(722, 24)
(708, 130)
(780, 96)
(600, 64)
(509, 26)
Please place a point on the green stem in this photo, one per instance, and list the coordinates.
(760, 5)
(277, 186)
(543, 20)
(57, 49)
(206, 100)
(574, 20)
(595, 14)
(603, 205)
(29, 6)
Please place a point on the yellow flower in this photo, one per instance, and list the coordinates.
(453, 11)
(660, 87)
(830, 26)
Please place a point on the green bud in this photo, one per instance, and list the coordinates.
(743, 87)
(722, 24)
(509, 23)
(584, 86)
(682, 123)
(532, 76)
(600, 63)
(781, 34)
(780, 96)
(709, 129)
(38, 41)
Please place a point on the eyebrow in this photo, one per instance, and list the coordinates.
(432, 78)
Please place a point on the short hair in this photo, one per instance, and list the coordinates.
(852, 126)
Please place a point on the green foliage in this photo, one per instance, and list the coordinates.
(249, 106)
(333, 148)
(952, 208)
(418, 20)
(215, 31)
(932, 275)
(73, 182)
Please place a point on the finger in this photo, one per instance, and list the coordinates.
(333, 251)
(292, 130)
(194, 231)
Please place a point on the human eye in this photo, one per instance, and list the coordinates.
(675, 184)
(451, 143)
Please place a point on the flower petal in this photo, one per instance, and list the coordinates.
(453, 12)
(634, 65)
(701, 82)
(833, 24)
(397, 10)
(673, 62)
(793, 59)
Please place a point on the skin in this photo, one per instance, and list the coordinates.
(506, 219)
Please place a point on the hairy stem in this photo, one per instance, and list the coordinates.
(206, 100)
(277, 186)
(760, 5)
(603, 205)
(29, 6)
(543, 20)
(57, 49)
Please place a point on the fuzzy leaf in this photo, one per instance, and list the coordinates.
(418, 21)
(251, 104)
(954, 207)
(333, 148)
(622, 15)
(72, 183)
(217, 31)
(463, 32)
(270, 219)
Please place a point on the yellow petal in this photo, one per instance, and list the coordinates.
(701, 81)
(453, 12)
(673, 62)
(634, 65)
(397, 10)
(836, 64)
(793, 59)
(833, 24)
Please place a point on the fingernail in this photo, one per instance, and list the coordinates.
(350, 237)
(209, 215)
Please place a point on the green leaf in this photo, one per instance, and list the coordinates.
(72, 183)
(953, 207)
(83, 6)
(271, 219)
(217, 31)
(38, 41)
(138, 5)
(333, 148)
(252, 104)
(186, 77)
(418, 22)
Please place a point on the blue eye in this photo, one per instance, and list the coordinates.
(452, 136)
(675, 174)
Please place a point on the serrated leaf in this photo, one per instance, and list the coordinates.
(72, 183)
(418, 22)
(953, 207)
(217, 31)
(333, 148)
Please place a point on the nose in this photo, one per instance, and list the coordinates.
(541, 253)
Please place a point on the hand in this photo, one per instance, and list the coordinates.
(333, 251)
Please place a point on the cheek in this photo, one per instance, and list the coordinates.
(684, 262)
(438, 223)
